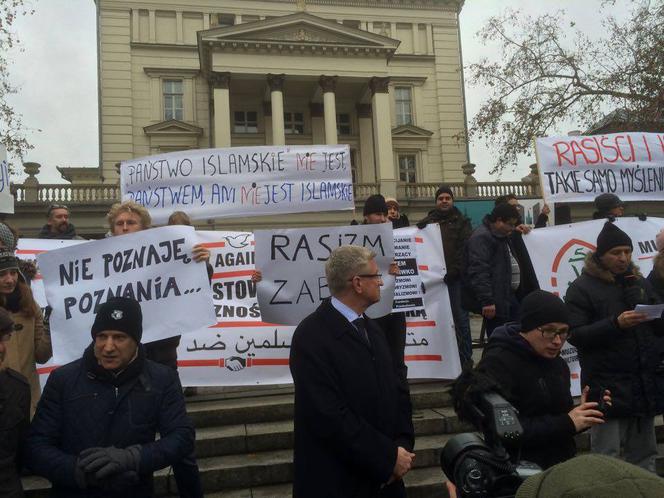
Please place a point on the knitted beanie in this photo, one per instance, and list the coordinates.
(122, 314)
(375, 204)
(606, 202)
(541, 307)
(444, 189)
(593, 476)
(8, 261)
(611, 236)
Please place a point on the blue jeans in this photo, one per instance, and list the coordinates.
(461, 322)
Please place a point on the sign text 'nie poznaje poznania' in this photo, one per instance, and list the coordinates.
(579, 168)
(241, 181)
(152, 266)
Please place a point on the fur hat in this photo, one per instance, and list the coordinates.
(541, 307)
(611, 236)
(391, 201)
(375, 204)
(592, 476)
(122, 314)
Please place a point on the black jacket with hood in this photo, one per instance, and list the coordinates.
(630, 363)
(539, 388)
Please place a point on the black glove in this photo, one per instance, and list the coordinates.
(643, 216)
(106, 462)
(422, 224)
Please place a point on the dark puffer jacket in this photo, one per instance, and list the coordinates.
(539, 388)
(455, 229)
(630, 363)
(14, 422)
(487, 277)
(82, 408)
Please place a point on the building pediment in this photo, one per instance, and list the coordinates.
(302, 31)
(410, 131)
(173, 127)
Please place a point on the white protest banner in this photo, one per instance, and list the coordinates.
(431, 346)
(28, 249)
(558, 255)
(153, 266)
(408, 284)
(240, 349)
(241, 181)
(6, 197)
(579, 168)
(293, 265)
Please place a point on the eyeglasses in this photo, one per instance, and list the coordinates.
(550, 334)
(368, 275)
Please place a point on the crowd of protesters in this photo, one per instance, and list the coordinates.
(92, 431)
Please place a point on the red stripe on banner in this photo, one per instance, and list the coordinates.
(30, 251)
(575, 375)
(423, 267)
(213, 245)
(429, 323)
(419, 240)
(228, 274)
(202, 363)
(268, 362)
(423, 357)
(645, 257)
(554, 282)
(221, 325)
(46, 370)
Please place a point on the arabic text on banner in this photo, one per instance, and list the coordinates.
(153, 266)
(241, 181)
(293, 265)
(558, 255)
(579, 168)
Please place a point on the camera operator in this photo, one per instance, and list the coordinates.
(524, 361)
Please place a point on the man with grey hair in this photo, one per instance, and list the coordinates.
(353, 430)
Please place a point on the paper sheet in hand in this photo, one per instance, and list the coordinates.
(653, 311)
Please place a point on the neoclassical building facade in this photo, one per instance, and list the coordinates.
(384, 76)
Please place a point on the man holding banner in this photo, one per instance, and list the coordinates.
(620, 347)
(353, 432)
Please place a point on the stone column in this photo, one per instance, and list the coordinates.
(317, 123)
(31, 183)
(276, 83)
(220, 82)
(382, 131)
(367, 172)
(329, 84)
(267, 122)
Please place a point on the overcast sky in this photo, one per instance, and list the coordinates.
(57, 75)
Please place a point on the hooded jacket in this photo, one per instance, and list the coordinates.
(539, 388)
(630, 363)
(46, 233)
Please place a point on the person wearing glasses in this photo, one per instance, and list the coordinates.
(523, 359)
(353, 430)
(57, 224)
(620, 348)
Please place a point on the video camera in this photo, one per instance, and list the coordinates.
(482, 468)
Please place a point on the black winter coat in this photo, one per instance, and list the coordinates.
(487, 277)
(14, 422)
(630, 363)
(455, 230)
(351, 413)
(539, 388)
(82, 408)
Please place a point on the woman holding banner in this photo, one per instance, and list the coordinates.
(33, 343)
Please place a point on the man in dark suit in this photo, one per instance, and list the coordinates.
(353, 431)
